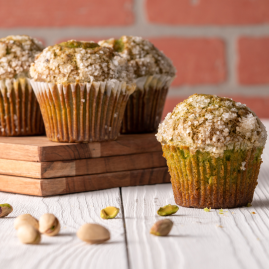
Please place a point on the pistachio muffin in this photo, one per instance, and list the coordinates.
(82, 89)
(19, 110)
(213, 148)
(153, 74)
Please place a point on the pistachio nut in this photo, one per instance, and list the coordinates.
(167, 210)
(28, 234)
(26, 219)
(162, 227)
(5, 209)
(109, 212)
(49, 225)
(93, 233)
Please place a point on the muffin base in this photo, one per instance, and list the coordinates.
(200, 181)
(85, 112)
(19, 110)
(144, 111)
(145, 106)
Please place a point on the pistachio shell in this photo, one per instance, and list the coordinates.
(26, 219)
(167, 210)
(5, 209)
(28, 234)
(93, 233)
(49, 225)
(109, 212)
(162, 227)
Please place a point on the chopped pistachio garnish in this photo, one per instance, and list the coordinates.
(249, 205)
(221, 211)
(207, 209)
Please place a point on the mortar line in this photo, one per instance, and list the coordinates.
(248, 91)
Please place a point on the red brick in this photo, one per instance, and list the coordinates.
(253, 65)
(32, 13)
(257, 104)
(201, 12)
(197, 60)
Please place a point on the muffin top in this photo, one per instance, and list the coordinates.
(79, 61)
(213, 124)
(142, 56)
(16, 55)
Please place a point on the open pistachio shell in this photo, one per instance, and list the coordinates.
(49, 225)
(167, 210)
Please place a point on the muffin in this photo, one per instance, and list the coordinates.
(82, 89)
(213, 148)
(19, 110)
(153, 74)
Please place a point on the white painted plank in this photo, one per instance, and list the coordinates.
(65, 250)
(196, 241)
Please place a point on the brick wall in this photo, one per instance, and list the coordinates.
(217, 46)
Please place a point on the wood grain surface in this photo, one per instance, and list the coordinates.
(236, 239)
(65, 250)
(64, 185)
(83, 166)
(40, 149)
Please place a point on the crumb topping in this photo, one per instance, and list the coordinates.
(143, 57)
(213, 124)
(16, 55)
(79, 61)
(243, 166)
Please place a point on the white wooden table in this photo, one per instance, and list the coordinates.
(236, 239)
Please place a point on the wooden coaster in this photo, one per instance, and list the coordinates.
(40, 149)
(36, 166)
(44, 170)
(64, 185)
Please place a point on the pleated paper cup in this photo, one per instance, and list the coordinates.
(145, 106)
(82, 112)
(19, 110)
(200, 180)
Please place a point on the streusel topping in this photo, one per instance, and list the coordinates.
(16, 55)
(143, 57)
(79, 61)
(211, 123)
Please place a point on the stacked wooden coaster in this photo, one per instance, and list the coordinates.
(37, 166)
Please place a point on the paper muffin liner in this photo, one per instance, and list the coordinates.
(199, 180)
(82, 112)
(145, 106)
(19, 110)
